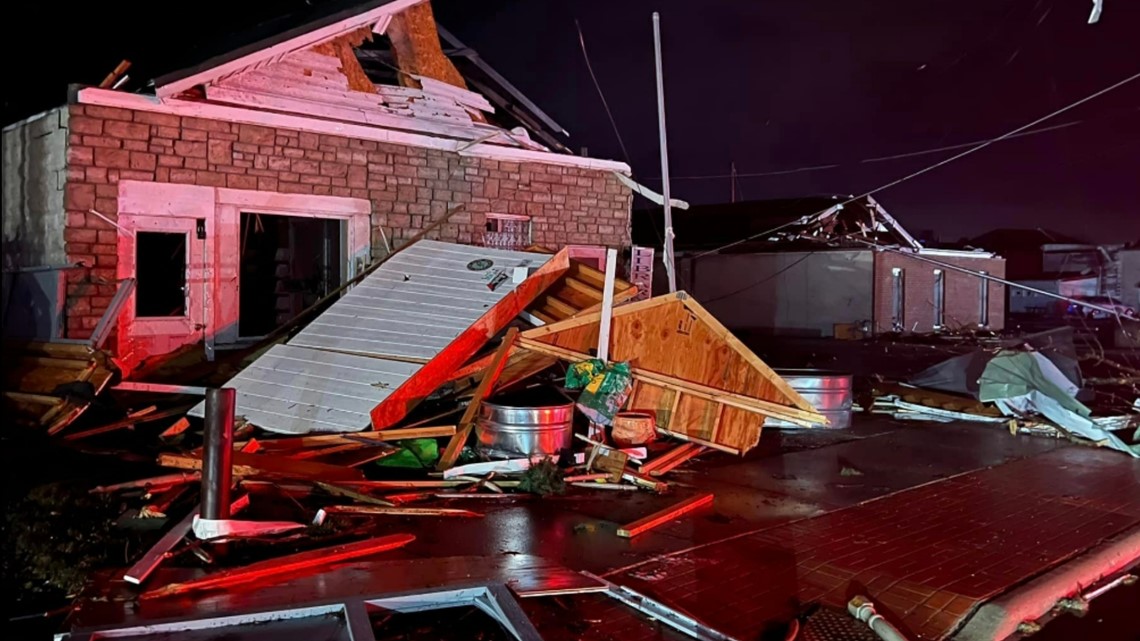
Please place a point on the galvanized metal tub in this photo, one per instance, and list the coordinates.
(522, 427)
(829, 392)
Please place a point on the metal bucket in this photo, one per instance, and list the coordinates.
(829, 392)
(508, 429)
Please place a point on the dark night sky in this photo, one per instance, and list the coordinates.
(769, 85)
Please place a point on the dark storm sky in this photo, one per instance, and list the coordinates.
(772, 86)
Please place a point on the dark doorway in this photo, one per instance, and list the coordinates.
(287, 264)
(160, 266)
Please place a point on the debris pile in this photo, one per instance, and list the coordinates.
(448, 381)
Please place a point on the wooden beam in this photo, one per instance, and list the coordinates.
(607, 306)
(285, 565)
(268, 465)
(490, 375)
(664, 516)
(579, 286)
(367, 510)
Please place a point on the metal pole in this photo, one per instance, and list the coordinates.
(670, 269)
(217, 457)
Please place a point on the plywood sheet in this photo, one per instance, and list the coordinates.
(674, 336)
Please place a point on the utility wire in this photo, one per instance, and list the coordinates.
(938, 164)
(598, 86)
(909, 154)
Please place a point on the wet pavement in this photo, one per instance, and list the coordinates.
(929, 520)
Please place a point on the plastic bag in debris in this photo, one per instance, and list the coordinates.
(604, 389)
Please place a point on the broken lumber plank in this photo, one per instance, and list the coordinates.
(686, 456)
(667, 458)
(129, 421)
(367, 510)
(664, 516)
(285, 565)
(398, 434)
(164, 481)
(180, 426)
(353, 494)
(266, 465)
(490, 375)
(154, 557)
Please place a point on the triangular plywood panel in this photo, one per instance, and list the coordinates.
(673, 336)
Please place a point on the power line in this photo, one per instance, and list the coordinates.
(940, 163)
(598, 86)
(909, 154)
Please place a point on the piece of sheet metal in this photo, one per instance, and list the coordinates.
(330, 376)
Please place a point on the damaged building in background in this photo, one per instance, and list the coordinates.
(224, 198)
(822, 266)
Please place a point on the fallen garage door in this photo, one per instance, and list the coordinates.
(379, 335)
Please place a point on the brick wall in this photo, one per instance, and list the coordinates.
(408, 186)
(961, 308)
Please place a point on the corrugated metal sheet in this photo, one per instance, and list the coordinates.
(330, 375)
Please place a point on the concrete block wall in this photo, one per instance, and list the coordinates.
(961, 292)
(409, 187)
(34, 178)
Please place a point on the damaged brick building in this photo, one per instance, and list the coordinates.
(237, 192)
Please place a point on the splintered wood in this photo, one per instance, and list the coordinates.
(700, 381)
(664, 516)
(285, 565)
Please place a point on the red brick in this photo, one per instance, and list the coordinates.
(191, 149)
(80, 155)
(290, 152)
(266, 183)
(256, 135)
(102, 141)
(135, 174)
(220, 152)
(158, 131)
(143, 161)
(308, 140)
(315, 180)
(169, 161)
(127, 130)
(162, 174)
(107, 236)
(196, 135)
(279, 164)
(183, 176)
(135, 145)
(107, 157)
(294, 188)
(357, 176)
(305, 167)
(85, 125)
(205, 124)
(103, 249)
(106, 191)
(212, 179)
(162, 120)
(195, 163)
(77, 235)
(79, 196)
(76, 219)
(333, 169)
(246, 148)
(107, 113)
(239, 181)
(108, 207)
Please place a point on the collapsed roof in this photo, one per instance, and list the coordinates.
(379, 63)
(751, 225)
